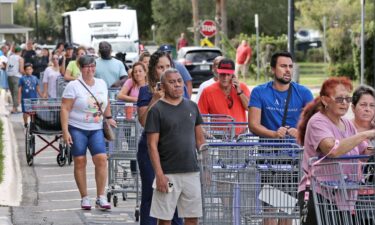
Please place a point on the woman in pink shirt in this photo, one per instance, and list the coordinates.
(130, 90)
(323, 131)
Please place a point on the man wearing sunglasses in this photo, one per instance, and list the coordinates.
(227, 96)
(271, 113)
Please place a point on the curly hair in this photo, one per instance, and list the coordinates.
(327, 89)
(152, 76)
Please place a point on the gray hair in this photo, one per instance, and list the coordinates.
(167, 72)
(360, 91)
(86, 60)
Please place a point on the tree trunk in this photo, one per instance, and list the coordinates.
(224, 26)
(195, 21)
(218, 22)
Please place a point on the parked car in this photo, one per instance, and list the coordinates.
(198, 61)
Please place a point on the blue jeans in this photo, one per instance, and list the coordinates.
(147, 177)
(83, 139)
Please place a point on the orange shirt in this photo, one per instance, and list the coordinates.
(214, 101)
(242, 52)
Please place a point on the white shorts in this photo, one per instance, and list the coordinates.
(186, 195)
(241, 68)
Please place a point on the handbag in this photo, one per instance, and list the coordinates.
(107, 128)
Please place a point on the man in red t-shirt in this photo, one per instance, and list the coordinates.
(227, 96)
(243, 57)
(182, 42)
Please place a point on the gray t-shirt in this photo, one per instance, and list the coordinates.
(176, 126)
(50, 77)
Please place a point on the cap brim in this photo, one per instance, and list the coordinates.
(225, 71)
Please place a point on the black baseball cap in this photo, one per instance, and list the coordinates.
(226, 66)
(165, 48)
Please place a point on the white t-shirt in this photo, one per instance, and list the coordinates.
(50, 77)
(202, 87)
(85, 113)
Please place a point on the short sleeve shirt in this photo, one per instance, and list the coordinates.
(29, 85)
(50, 77)
(109, 70)
(85, 113)
(74, 69)
(133, 89)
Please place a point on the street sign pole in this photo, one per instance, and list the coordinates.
(362, 40)
(257, 42)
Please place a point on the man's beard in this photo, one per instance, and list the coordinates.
(281, 80)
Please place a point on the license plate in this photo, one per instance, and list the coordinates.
(205, 67)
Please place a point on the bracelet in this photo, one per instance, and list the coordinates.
(108, 117)
(240, 93)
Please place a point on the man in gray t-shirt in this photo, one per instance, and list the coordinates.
(174, 132)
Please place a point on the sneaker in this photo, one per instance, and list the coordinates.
(85, 203)
(102, 203)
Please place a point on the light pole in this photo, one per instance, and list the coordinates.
(257, 42)
(153, 28)
(36, 21)
(362, 40)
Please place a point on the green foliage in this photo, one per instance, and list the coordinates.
(342, 69)
(311, 55)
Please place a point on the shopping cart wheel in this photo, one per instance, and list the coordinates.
(61, 160)
(115, 201)
(29, 147)
(124, 196)
(136, 215)
(109, 197)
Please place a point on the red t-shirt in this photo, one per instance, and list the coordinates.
(214, 101)
(182, 43)
(242, 52)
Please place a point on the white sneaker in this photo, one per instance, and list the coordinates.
(85, 203)
(102, 203)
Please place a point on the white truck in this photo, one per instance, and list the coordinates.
(117, 26)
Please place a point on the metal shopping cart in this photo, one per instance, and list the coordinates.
(249, 137)
(344, 190)
(223, 131)
(248, 183)
(45, 121)
(123, 175)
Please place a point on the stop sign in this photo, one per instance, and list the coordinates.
(208, 28)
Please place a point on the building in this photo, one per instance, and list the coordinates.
(9, 30)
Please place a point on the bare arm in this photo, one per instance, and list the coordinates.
(346, 144)
(199, 136)
(142, 111)
(108, 114)
(161, 179)
(256, 127)
(19, 94)
(68, 75)
(189, 86)
(66, 107)
(39, 92)
(62, 67)
(45, 90)
(123, 95)
(22, 64)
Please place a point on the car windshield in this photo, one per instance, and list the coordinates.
(200, 56)
(123, 47)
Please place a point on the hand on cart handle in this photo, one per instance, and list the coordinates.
(67, 138)
(281, 132)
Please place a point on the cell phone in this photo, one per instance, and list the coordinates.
(158, 86)
(170, 186)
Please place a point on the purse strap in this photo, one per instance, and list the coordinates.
(286, 105)
(96, 100)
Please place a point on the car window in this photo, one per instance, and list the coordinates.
(199, 56)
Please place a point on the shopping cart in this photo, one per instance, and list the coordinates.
(60, 85)
(112, 93)
(223, 131)
(45, 121)
(248, 183)
(343, 190)
(123, 175)
(249, 137)
(217, 118)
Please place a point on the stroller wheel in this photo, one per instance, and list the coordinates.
(61, 160)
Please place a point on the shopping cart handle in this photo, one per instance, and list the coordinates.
(244, 144)
(345, 157)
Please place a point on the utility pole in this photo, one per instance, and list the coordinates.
(36, 21)
(195, 21)
(257, 43)
(362, 40)
(291, 27)
(218, 22)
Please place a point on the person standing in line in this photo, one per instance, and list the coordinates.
(73, 71)
(84, 105)
(228, 96)
(148, 96)
(14, 71)
(108, 68)
(268, 101)
(175, 121)
(50, 78)
(144, 57)
(3, 65)
(243, 57)
(29, 54)
(130, 90)
(182, 41)
(212, 80)
(28, 87)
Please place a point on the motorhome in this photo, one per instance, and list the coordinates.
(117, 26)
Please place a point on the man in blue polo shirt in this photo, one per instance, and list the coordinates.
(268, 101)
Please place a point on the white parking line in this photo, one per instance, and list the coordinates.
(62, 191)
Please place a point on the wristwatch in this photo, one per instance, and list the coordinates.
(240, 93)
(108, 117)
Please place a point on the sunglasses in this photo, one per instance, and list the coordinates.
(341, 99)
(229, 101)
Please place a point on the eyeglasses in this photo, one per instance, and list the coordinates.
(229, 101)
(89, 66)
(341, 99)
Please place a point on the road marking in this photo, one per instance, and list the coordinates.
(62, 191)
(65, 181)
(65, 174)
(58, 210)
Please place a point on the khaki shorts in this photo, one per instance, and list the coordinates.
(186, 195)
(241, 68)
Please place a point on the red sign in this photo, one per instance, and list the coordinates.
(208, 28)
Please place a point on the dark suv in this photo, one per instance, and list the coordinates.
(198, 61)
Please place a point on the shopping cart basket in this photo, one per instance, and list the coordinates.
(45, 120)
(123, 175)
(248, 183)
(223, 131)
(343, 190)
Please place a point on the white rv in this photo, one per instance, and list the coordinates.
(117, 26)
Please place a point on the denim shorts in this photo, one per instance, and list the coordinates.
(83, 139)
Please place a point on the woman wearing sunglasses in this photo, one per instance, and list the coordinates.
(324, 131)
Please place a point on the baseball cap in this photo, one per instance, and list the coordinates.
(165, 48)
(69, 46)
(226, 66)
(17, 49)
